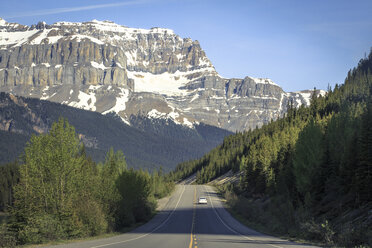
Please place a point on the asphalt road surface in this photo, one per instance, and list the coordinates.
(186, 224)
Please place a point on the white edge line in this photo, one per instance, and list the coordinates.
(144, 235)
(227, 226)
(223, 222)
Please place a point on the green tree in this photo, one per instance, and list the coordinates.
(135, 189)
(48, 198)
(109, 195)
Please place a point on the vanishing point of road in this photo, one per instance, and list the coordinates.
(185, 224)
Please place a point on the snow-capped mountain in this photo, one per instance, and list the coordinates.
(105, 67)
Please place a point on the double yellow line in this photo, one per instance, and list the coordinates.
(192, 235)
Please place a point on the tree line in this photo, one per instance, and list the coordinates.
(55, 191)
(315, 163)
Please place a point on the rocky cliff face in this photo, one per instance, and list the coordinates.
(106, 67)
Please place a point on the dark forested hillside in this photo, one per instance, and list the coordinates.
(315, 165)
(163, 144)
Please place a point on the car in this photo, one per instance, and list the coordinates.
(202, 200)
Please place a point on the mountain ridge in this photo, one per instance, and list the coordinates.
(153, 73)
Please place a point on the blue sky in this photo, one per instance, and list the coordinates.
(298, 44)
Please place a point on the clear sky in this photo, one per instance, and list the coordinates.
(299, 44)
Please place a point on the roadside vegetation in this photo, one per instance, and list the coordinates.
(308, 174)
(55, 191)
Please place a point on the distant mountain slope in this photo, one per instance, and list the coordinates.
(156, 74)
(164, 144)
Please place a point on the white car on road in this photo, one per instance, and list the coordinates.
(202, 200)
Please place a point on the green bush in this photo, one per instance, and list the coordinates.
(41, 228)
(92, 217)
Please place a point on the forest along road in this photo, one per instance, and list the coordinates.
(184, 223)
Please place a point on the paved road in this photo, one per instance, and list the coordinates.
(185, 224)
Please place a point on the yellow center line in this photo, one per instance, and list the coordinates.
(193, 220)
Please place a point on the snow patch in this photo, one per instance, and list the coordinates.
(196, 96)
(180, 56)
(204, 62)
(186, 122)
(307, 98)
(131, 57)
(155, 114)
(86, 101)
(46, 64)
(80, 37)
(119, 65)
(165, 83)
(2, 22)
(169, 84)
(45, 95)
(121, 101)
(235, 96)
(322, 92)
(54, 39)
(43, 34)
(98, 66)
(217, 97)
(16, 38)
(265, 97)
(281, 102)
(174, 116)
(263, 81)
